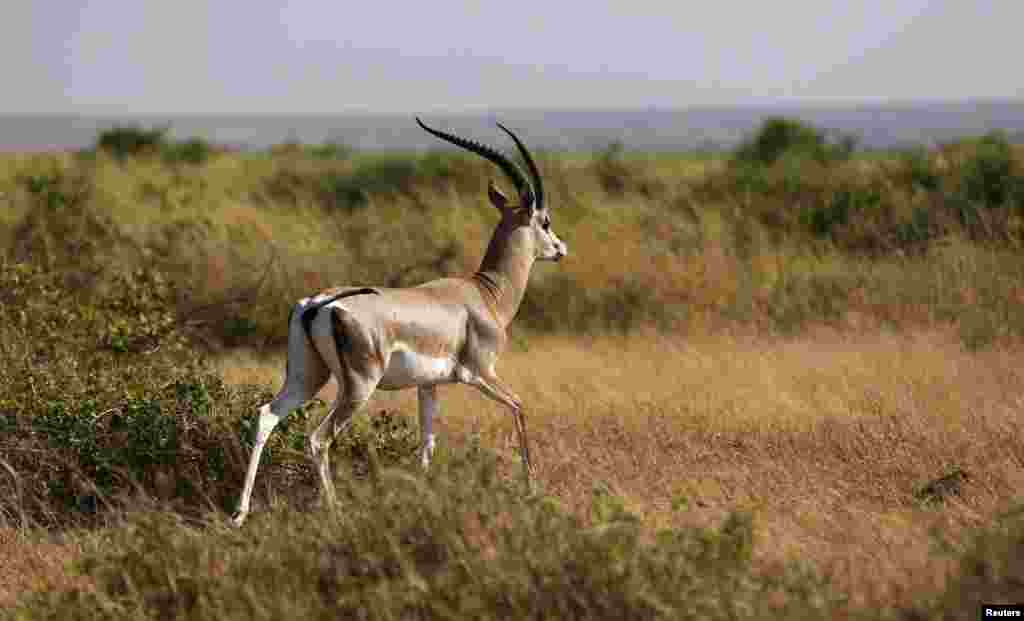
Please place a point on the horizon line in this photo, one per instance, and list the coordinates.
(806, 103)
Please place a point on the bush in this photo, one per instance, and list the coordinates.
(191, 151)
(780, 136)
(108, 393)
(917, 229)
(47, 191)
(135, 440)
(843, 204)
(917, 170)
(989, 176)
(352, 191)
(443, 168)
(123, 141)
(383, 439)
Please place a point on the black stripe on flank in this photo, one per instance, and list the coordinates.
(288, 359)
(307, 315)
(340, 344)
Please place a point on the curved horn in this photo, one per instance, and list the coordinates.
(506, 165)
(538, 185)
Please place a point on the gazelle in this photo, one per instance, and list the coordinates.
(449, 330)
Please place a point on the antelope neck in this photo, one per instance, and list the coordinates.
(503, 285)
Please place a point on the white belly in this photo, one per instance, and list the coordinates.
(407, 368)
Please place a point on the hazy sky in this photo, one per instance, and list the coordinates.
(259, 56)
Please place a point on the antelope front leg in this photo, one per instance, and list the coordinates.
(428, 410)
(495, 389)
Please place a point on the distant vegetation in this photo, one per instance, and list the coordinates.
(128, 268)
(795, 228)
(125, 141)
(973, 189)
(780, 137)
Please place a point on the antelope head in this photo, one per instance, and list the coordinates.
(526, 221)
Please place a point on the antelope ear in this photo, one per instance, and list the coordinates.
(498, 199)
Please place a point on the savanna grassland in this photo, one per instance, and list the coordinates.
(784, 382)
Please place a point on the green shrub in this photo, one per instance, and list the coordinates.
(123, 141)
(352, 191)
(748, 178)
(989, 175)
(843, 204)
(918, 228)
(44, 188)
(442, 168)
(917, 170)
(131, 439)
(103, 392)
(383, 439)
(780, 137)
(191, 151)
(236, 330)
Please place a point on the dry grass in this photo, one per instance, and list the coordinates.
(824, 439)
(33, 563)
